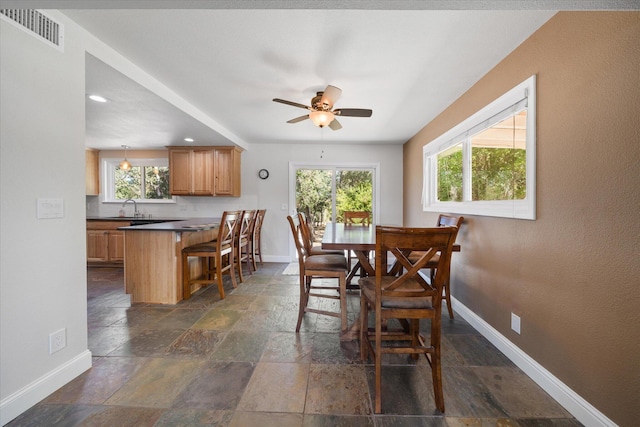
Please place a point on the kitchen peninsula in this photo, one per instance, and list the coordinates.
(152, 257)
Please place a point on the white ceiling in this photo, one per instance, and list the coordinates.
(228, 60)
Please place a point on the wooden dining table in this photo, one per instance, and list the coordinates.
(357, 238)
(361, 240)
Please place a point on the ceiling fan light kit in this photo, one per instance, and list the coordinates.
(321, 118)
(321, 109)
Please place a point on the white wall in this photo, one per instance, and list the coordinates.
(43, 261)
(42, 267)
(273, 192)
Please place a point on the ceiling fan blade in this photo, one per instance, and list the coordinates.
(298, 119)
(293, 104)
(335, 125)
(330, 95)
(353, 112)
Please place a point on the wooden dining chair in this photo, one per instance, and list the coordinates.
(407, 297)
(319, 267)
(243, 242)
(218, 256)
(357, 217)
(443, 221)
(256, 247)
(362, 218)
(309, 232)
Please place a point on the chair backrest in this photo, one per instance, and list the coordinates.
(298, 238)
(450, 220)
(246, 225)
(257, 228)
(357, 217)
(400, 242)
(228, 228)
(307, 231)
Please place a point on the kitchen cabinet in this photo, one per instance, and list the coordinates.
(92, 172)
(105, 243)
(204, 171)
(227, 171)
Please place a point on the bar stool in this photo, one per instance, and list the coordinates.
(221, 251)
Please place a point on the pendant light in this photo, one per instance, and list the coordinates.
(125, 165)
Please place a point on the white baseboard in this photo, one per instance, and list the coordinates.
(276, 258)
(18, 402)
(584, 412)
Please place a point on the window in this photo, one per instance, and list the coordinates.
(146, 181)
(486, 164)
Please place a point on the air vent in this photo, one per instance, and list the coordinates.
(37, 24)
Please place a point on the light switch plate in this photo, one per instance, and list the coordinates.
(50, 208)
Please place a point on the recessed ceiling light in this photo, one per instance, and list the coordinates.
(189, 139)
(97, 98)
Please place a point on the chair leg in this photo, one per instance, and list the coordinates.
(414, 329)
(186, 286)
(343, 302)
(364, 327)
(378, 365)
(446, 293)
(447, 296)
(249, 265)
(239, 264)
(303, 301)
(232, 269)
(218, 261)
(253, 256)
(436, 372)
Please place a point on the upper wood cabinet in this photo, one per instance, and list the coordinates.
(92, 172)
(227, 171)
(204, 171)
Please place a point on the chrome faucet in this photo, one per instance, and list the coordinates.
(136, 214)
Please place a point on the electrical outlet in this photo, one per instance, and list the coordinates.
(515, 323)
(57, 340)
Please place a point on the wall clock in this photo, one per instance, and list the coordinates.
(263, 174)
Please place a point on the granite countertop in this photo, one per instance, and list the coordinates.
(182, 224)
(131, 218)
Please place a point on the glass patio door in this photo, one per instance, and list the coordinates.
(324, 192)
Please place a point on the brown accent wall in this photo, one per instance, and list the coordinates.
(572, 275)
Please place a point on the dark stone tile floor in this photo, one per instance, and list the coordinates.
(238, 362)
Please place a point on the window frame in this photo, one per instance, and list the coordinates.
(108, 178)
(519, 209)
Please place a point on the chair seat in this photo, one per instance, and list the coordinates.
(368, 288)
(326, 262)
(319, 251)
(205, 247)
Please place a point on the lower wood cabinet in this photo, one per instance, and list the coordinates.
(105, 243)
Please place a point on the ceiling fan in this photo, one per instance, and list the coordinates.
(321, 109)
